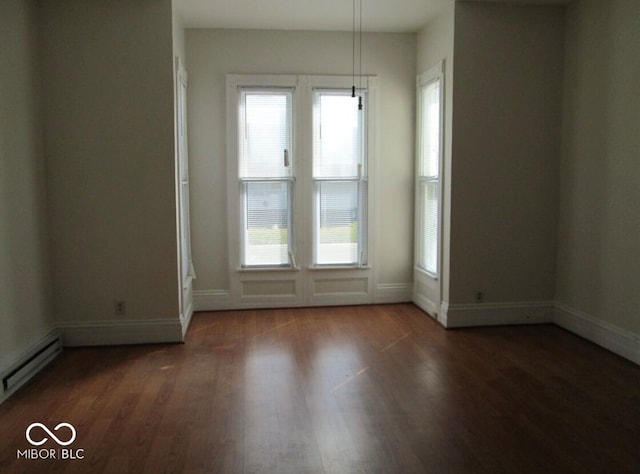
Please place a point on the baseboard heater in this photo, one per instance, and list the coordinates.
(32, 364)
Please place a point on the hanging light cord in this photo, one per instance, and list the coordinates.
(360, 44)
(353, 54)
(353, 51)
(360, 54)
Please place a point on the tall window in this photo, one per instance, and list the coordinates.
(339, 179)
(266, 176)
(183, 177)
(428, 175)
(299, 188)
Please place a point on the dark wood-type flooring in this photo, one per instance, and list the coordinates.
(365, 389)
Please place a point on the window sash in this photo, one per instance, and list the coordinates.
(266, 216)
(428, 224)
(430, 123)
(265, 133)
(340, 224)
(339, 179)
(339, 145)
(428, 183)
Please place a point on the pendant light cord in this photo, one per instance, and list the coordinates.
(360, 44)
(353, 51)
(353, 54)
(360, 54)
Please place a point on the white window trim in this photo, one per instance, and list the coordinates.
(425, 78)
(290, 180)
(359, 179)
(302, 274)
(234, 82)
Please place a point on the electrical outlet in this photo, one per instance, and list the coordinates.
(120, 308)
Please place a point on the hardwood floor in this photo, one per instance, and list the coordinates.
(337, 390)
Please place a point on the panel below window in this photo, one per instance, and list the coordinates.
(267, 218)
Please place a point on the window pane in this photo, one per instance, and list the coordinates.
(337, 222)
(430, 153)
(265, 134)
(267, 223)
(428, 203)
(338, 135)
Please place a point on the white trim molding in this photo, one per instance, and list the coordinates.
(493, 314)
(185, 319)
(611, 337)
(426, 304)
(212, 300)
(118, 332)
(302, 283)
(393, 293)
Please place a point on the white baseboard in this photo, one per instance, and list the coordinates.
(493, 314)
(393, 293)
(119, 332)
(611, 337)
(185, 319)
(29, 362)
(619, 341)
(212, 300)
(427, 305)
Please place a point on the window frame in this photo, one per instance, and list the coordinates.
(302, 283)
(235, 83)
(360, 179)
(245, 181)
(422, 181)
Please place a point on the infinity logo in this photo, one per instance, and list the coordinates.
(54, 437)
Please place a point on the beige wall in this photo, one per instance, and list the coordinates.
(107, 69)
(26, 314)
(178, 34)
(505, 153)
(213, 53)
(598, 270)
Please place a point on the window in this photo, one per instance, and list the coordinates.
(186, 264)
(266, 177)
(299, 190)
(428, 174)
(339, 179)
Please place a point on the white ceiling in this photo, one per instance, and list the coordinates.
(330, 15)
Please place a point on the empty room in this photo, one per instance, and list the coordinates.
(305, 236)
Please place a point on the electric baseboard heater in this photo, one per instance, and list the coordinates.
(32, 364)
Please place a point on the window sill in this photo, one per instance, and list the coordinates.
(297, 269)
(426, 273)
(267, 269)
(338, 267)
